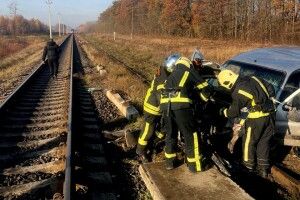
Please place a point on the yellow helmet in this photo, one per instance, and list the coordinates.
(227, 78)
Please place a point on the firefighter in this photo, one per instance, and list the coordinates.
(178, 113)
(51, 50)
(254, 95)
(152, 128)
(205, 68)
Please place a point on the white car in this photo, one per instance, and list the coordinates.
(281, 68)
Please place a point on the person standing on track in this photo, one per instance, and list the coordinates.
(178, 113)
(52, 51)
(152, 116)
(255, 95)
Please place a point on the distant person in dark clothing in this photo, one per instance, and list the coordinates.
(51, 50)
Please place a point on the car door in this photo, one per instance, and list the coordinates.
(288, 122)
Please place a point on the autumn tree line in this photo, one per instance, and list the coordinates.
(18, 25)
(253, 20)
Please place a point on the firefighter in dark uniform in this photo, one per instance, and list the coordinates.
(178, 113)
(51, 50)
(152, 129)
(254, 94)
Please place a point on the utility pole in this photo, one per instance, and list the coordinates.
(132, 18)
(49, 2)
(13, 11)
(59, 24)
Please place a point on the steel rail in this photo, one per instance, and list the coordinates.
(68, 190)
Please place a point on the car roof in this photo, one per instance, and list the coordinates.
(285, 59)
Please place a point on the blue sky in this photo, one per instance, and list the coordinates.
(74, 12)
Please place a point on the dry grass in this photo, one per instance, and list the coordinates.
(117, 77)
(10, 45)
(145, 54)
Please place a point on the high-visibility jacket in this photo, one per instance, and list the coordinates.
(183, 81)
(253, 93)
(152, 98)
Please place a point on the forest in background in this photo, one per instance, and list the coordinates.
(18, 25)
(250, 20)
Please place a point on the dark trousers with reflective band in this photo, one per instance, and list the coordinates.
(183, 120)
(53, 66)
(256, 142)
(147, 132)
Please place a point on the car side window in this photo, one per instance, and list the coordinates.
(292, 84)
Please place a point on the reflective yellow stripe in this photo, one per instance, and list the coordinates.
(246, 94)
(225, 112)
(154, 108)
(160, 87)
(149, 91)
(197, 157)
(151, 111)
(184, 61)
(202, 85)
(176, 100)
(191, 159)
(160, 135)
(183, 79)
(196, 152)
(257, 114)
(242, 122)
(203, 97)
(142, 138)
(170, 155)
(247, 142)
(262, 86)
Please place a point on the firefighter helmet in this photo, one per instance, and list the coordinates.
(169, 63)
(197, 56)
(227, 78)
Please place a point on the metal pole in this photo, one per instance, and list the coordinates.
(59, 24)
(132, 21)
(49, 2)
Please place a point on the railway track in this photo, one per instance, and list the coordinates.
(41, 124)
(33, 131)
(89, 169)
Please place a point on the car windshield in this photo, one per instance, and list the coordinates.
(274, 77)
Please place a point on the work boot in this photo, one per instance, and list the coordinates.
(206, 164)
(263, 173)
(169, 164)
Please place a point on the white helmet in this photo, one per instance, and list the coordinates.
(169, 63)
(197, 55)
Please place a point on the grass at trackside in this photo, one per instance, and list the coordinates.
(10, 45)
(146, 53)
